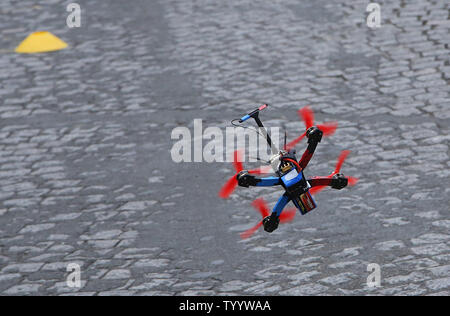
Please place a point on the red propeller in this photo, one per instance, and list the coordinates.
(351, 180)
(232, 183)
(261, 206)
(307, 115)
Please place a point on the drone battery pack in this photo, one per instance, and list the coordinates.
(297, 188)
(305, 203)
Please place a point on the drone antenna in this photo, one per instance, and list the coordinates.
(255, 115)
(259, 159)
(285, 139)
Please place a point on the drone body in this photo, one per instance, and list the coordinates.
(289, 173)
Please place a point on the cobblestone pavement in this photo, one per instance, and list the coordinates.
(86, 174)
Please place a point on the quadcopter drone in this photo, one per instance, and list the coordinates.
(288, 173)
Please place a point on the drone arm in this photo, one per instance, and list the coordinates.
(245, 180)
(337, 181)
(307, 155)
(281, 204)
(268, 182)
(320, 181)
(314, 135)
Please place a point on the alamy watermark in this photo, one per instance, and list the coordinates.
(74, 18)
(374, 17)
(374, 279)
(73, 280)
(215, 144)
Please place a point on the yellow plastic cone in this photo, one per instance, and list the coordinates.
(40, 42)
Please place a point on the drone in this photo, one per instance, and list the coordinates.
(288, 172)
